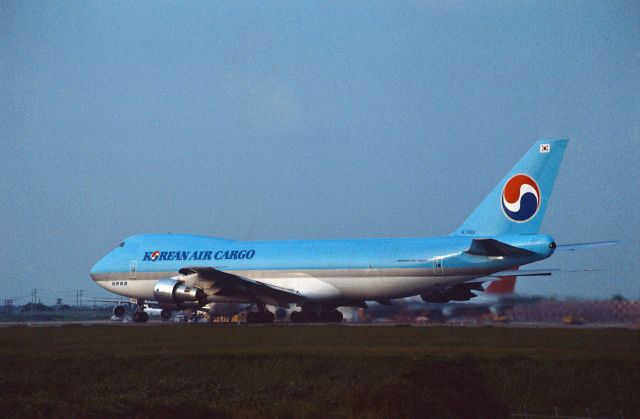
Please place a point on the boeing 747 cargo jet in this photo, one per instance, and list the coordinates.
(187, 271)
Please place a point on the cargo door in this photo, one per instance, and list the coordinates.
(438, 266)
(133, 267)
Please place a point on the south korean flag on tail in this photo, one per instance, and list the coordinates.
(545, 148)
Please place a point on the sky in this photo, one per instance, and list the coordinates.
(295, 120)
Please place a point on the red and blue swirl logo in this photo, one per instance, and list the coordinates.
(520, 198)
(155, 255)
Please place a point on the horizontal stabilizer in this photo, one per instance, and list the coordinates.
(582, 270)
(523, 272)
(580, 246)
(493, 247)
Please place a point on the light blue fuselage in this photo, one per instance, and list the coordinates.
(326, 271)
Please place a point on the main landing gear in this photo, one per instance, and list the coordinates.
(261, 316)
(140, 316)
(308, 316)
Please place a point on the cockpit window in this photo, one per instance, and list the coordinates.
(122, 244)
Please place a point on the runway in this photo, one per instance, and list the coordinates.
(512, 325)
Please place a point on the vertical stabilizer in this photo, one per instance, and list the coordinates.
(517, 204)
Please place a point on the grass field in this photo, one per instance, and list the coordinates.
(316, 371)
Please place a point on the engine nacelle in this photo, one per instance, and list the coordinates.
(460, 292)
(119, 311)
(171, 291)
(434, 297)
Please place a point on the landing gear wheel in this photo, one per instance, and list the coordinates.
(266, 317)
(140, 317)
(310, 316)
(326, 316)
(296, 317)
(252, 317)
(260, 317)
(193, 316)
(165, 314)
(333, 316)
(336, 316)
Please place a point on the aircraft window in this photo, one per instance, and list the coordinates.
(125, 282)
(122, 244)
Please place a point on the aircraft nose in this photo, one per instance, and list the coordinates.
(99, 268)
(93, 273)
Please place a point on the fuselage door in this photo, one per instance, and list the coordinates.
(438, 267)
(133, 267)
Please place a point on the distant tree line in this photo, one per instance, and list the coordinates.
(27, 308)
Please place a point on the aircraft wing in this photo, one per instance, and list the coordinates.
(228, 284)
(119, 301)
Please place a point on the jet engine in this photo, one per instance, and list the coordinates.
(119, 311)
(170, 292)
(434, 297)
(459, 292)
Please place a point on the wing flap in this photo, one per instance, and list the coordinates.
(230, 284)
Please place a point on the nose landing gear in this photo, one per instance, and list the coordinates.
(140, 316)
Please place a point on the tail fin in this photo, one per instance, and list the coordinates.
(517, 204)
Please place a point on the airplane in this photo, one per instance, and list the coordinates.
(180, 271)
